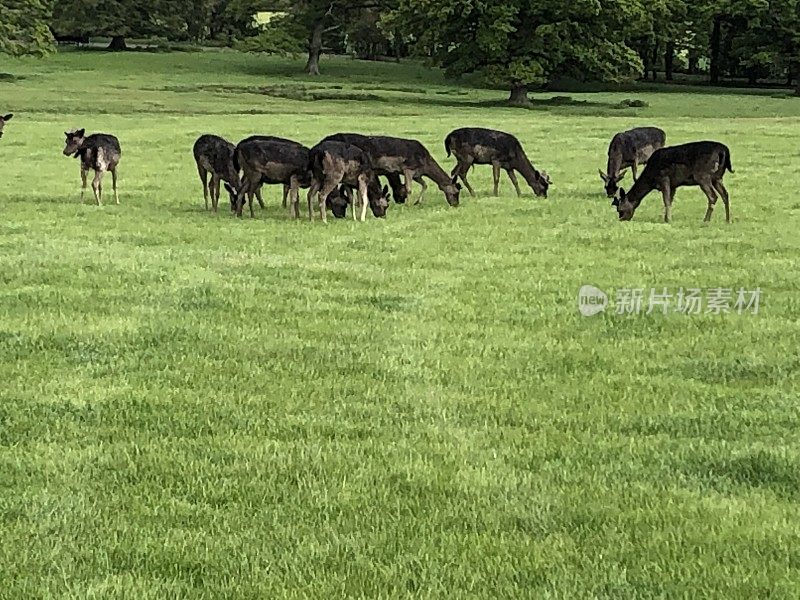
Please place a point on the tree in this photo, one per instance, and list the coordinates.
(23, 27)
(120, 19)
(521, 43)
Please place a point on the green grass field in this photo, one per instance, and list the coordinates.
(194, 406)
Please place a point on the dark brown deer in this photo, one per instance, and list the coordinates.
(269, 161)
(276, 161)
(214, 156)
(99, 152)
(400, 156)
(630, 149)
(257, 191)
(479, 146)
(696, 164)
(3, 120)
(399, 191)
(335, 163)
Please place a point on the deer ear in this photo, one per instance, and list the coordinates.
(80, 132)
(603, 176)
(621, 177)
(385, 191)
(8, 117)
(615, 201)
(455, 180)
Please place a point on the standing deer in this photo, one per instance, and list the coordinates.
(696, 164)
(335, 163)
(214, 155)
(3, 120)
(479, 146)
(257, 191)
(99, 152)
(630, 149)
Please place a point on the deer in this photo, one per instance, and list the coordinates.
(400, 156)
(3, 120)
(99, 152)
(268, 160)
(695, 164)
(630, 149)
(399, 192)
(257, 191)
(479, 146)
(214, 155)
(335, 163)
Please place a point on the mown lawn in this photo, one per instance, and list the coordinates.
(193, 406)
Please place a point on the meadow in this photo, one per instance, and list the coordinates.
(195, 406)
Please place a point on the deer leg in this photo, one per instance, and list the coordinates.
(513, 177)
(243, 191)
(261, 199)
(292, 191)
(711, 194)
(726, 200)
(633, 170)
(666, 191)
(315, 187)
(97, 186)
(409, 177)
(424, 185)
(496, 176)
(463, 168)
(329, 186)
(204, 180)
(114, 184)
(214, 189)
(362, 189)
(83, 182)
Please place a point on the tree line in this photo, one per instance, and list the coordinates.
(518, 44)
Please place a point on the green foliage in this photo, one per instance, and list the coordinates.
(281, 35)
(23, 27)
(521, 43)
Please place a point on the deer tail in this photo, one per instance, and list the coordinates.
(236, 162)
(728, 164)
(447, 141)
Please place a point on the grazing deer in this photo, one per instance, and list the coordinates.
(630, 149)
(99, 152)
(393, 156)
(399, 191)
(335, 163)
(696, 164)
(479, 146)
(3, 120)
(214, 155)
(257, 191)
(269, 161)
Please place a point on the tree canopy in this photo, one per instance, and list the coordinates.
(24, 27)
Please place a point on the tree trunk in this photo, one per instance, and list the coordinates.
(669, 61)
(694, 61)
(752, 76)
(519, 95)
(654, 65)
(315, 49)
(117, 43)
(716, 38)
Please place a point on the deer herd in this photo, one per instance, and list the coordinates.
(344, 169)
